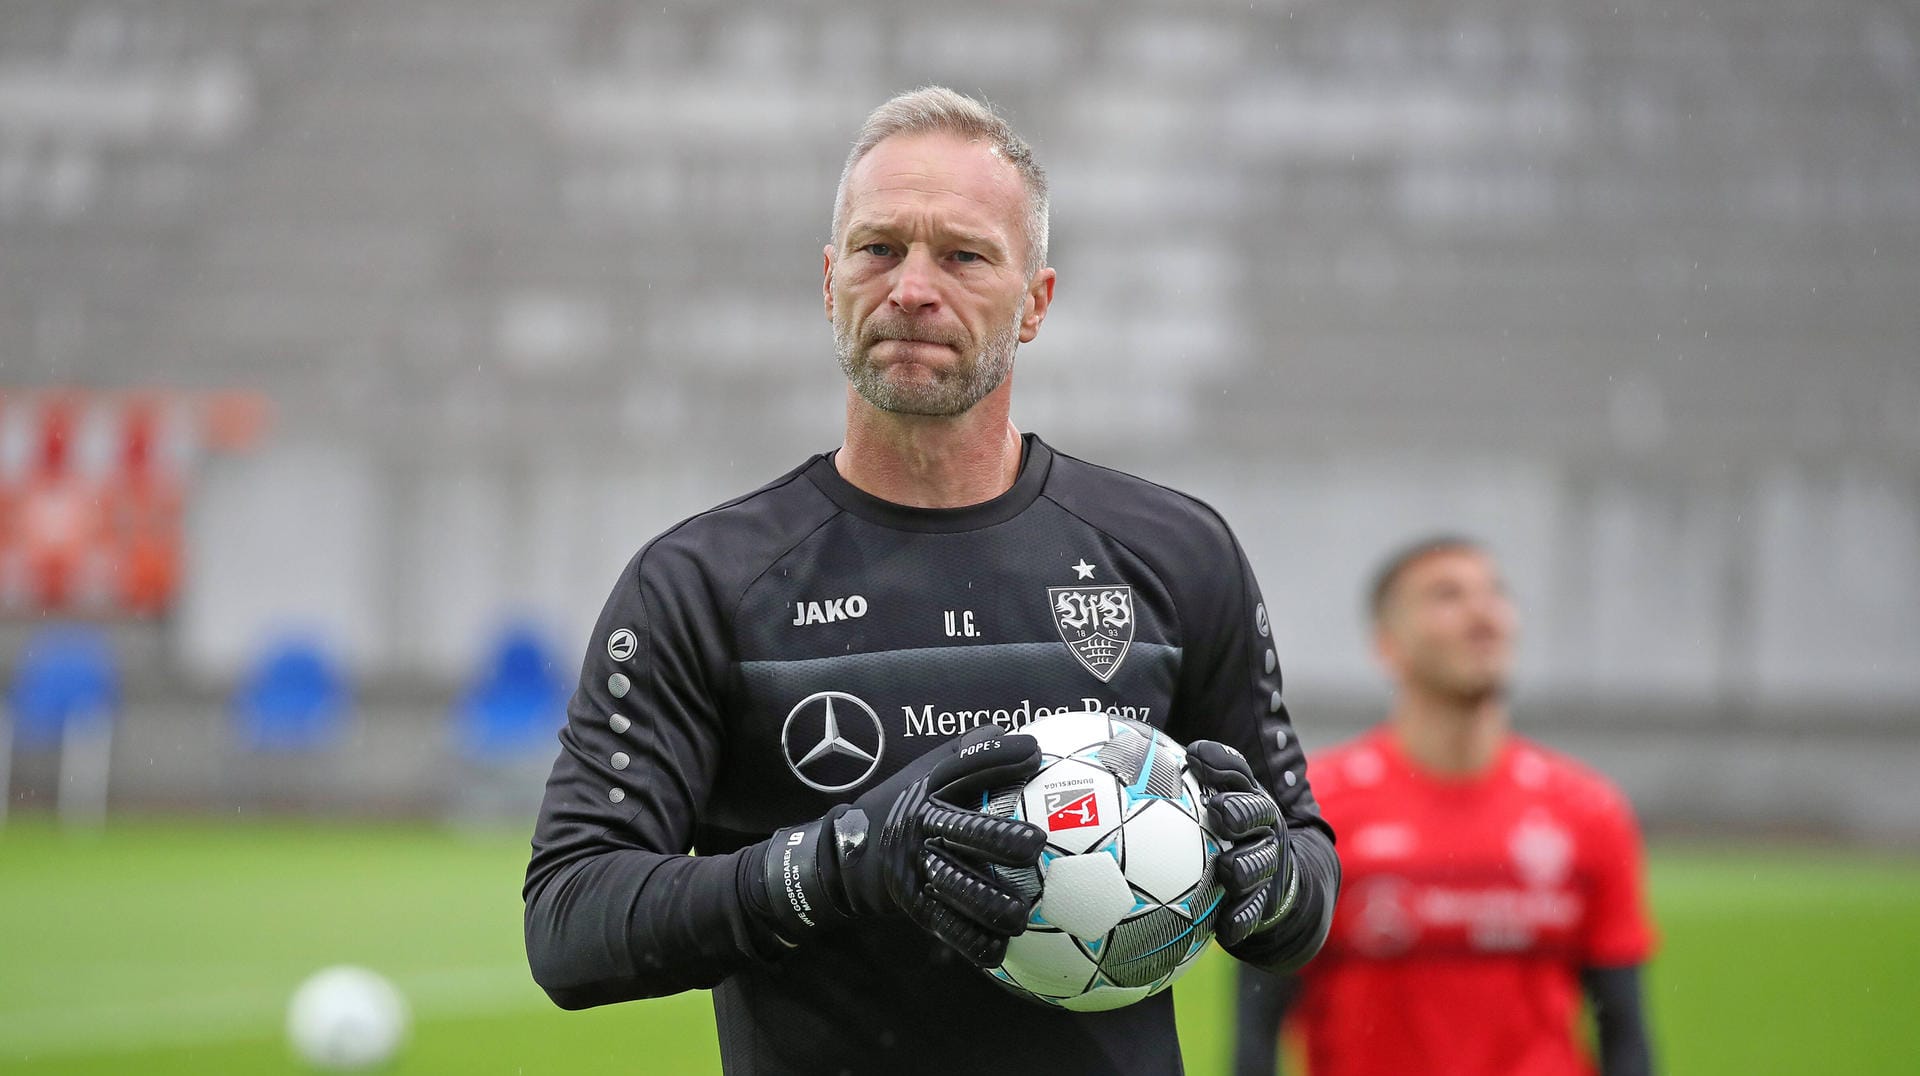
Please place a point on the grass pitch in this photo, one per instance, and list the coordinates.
(172, 947)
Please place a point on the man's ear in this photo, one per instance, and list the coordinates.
(826, 278)
(1039, 298)
(1386, 651)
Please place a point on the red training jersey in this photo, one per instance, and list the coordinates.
(1467, 910)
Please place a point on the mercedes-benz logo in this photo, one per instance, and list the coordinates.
(828, 744)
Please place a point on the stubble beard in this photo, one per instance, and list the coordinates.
(1468, 689)
(950, 392)
(1479, 695)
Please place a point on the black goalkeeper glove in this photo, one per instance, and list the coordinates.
(1257, 867)
(916, 844)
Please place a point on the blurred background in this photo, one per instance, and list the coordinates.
(348, 349)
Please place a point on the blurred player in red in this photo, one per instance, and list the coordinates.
(1489, 882)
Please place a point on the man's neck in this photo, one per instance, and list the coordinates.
(1449, 737)
(928, 462)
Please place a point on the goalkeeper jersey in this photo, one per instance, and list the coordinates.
(1471, 906)
(764, 661)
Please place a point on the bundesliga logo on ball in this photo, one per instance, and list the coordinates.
(1125, 885)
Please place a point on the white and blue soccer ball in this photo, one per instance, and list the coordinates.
(346, 1018)
(1125, 885)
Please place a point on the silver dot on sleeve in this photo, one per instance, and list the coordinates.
(619, 723)
(620, 760)
(1280, 738)
(618, 794)
(618, 684)
(1272, 660)
(1273, 704)
(1291, 779)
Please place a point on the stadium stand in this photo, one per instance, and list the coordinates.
(1625, 291)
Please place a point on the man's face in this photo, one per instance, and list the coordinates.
(1447, 626)
(928, 288)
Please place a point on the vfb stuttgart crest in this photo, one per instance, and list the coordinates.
(1096, 623)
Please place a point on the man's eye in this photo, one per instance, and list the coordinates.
(965, 256)
(879, 250)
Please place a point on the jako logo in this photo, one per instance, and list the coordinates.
(826, 612)
(1072, 809)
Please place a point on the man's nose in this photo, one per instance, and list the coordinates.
(1487, 612)
(914, 283)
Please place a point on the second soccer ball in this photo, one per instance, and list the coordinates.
(344, 1018)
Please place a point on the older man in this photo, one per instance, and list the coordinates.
(1490, 881)
(811, 685)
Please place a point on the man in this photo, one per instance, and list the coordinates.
(1489, 881)
(812, 686)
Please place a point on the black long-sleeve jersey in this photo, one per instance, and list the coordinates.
(766, 660)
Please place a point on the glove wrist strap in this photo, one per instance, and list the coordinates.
(796, 889)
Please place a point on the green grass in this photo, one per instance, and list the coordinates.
(172, 948)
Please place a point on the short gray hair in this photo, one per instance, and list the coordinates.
(936, 109)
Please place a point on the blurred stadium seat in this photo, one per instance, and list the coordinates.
(296, 698)
(503, 729)
(64, 697)
(516, 703)
(287, 741)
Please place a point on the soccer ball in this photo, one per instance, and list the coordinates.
(1125, 884)
(346, 1017)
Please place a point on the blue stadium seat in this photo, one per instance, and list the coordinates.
(295, 698)
(516, 702)
(66, 675)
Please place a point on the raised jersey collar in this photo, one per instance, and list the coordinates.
(1036, 459)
